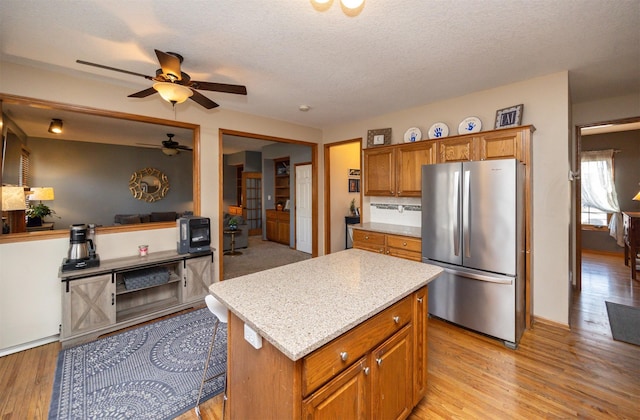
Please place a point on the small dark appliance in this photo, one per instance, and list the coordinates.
(194, 234)
(82, 250)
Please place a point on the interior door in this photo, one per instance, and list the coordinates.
(303, 208)
(252, 193)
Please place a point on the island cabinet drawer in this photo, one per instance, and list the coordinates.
(331, 359)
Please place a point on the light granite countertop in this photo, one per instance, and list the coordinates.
(302, 306)
(413, 231)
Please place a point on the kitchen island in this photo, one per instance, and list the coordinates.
(342, 336)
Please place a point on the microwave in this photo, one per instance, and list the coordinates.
(194, 234)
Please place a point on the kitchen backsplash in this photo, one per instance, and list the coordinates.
(404, 212)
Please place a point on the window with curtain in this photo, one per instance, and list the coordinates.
(599, 199)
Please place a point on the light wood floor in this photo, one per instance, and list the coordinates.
(555, 373)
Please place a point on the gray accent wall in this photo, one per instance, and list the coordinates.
(627, 179)
(91, 180)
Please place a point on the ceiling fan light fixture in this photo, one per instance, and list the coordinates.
(55, 127)
(169, 151)
(173, 92)
(352, 4)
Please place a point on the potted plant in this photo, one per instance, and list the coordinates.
(352, 207)
(233, 223)
(36, 213)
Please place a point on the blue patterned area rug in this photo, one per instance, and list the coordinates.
(150, 372)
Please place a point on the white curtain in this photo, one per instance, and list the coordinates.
(598, 188)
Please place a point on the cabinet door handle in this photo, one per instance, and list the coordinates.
(379, 361)
(419, 300)
(366, 371)
(366, 237)
(344, 356)
(404, 244)
(113, 299)
(396, 319)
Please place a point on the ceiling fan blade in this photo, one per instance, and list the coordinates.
(170, 65)
(155, 146)
(220, 87)
(143, 93)
(184, 148)
(202, 100)
(113, 69)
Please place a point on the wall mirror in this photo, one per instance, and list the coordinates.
(90, 163)
(149, 184)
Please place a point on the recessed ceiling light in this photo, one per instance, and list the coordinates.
(304, 108)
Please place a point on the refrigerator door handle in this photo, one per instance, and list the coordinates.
(465, 215)
(480, 277)
(456, 220)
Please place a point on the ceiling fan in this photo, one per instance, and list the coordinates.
(174, 85)
(169, 147)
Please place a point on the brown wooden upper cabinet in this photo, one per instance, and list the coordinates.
(395, 171)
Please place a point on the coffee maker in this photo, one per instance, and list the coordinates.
(82, 250)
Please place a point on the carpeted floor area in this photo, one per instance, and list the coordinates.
(259, 256)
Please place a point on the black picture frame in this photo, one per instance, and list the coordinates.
(509, 117)
(378, 137)
(354, 185)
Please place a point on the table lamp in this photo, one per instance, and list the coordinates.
(14, 204)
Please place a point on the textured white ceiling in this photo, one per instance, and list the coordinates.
(395, 54)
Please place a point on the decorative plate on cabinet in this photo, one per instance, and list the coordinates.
(438, 130)
(470, 125)
(412, 134)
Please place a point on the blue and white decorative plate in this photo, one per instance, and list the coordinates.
(470, 125)
(412, 134)
(438, 130)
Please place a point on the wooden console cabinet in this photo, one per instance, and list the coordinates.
(96, 301)
(278, 226)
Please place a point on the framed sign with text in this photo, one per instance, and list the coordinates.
(509, 117)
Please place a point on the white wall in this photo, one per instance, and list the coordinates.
(546, 105)
(30, 297)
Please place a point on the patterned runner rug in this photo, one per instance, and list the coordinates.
(150, 372)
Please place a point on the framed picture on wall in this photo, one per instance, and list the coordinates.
(354, 185)
(379, 137)
(509, 117)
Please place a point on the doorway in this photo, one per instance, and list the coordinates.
(342, 164)
(604, 127)
(233, 142)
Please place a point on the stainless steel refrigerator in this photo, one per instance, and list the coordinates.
(473, 227)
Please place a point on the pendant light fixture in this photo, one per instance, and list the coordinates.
(173, 92)
(349, 7)
(55, 127)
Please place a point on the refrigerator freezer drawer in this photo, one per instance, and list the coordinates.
(479, 302)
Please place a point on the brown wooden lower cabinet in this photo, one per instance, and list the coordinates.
(395, 245)
(278, 226)
(377, 370)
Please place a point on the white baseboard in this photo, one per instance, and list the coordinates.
(29, 345)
